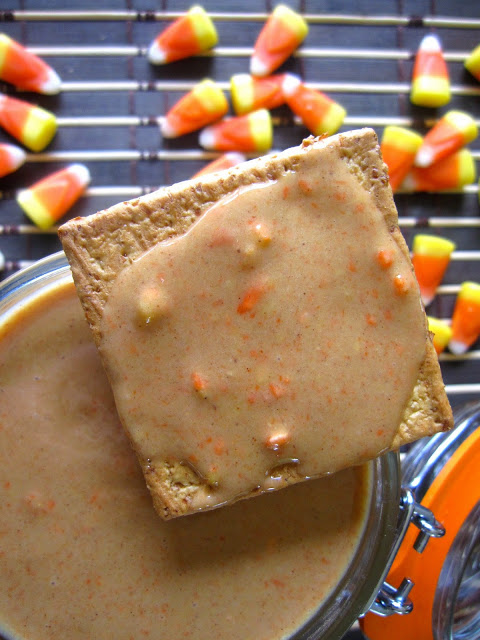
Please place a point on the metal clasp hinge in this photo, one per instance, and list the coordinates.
(391, 600)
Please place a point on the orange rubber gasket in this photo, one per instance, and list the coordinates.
(451, 497)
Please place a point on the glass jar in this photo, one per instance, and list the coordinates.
(443, 473)
(388, 513)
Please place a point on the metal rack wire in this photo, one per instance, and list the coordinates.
(111, 99)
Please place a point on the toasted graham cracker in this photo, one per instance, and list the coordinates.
(100, 246)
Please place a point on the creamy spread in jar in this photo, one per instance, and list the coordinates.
(82, 552)
(284, 328)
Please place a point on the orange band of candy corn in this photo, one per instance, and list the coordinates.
(283, 32)
(24, 69)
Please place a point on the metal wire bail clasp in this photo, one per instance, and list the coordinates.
(391, 600)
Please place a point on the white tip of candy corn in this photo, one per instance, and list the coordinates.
(207, 138)
(426, 299)
(155, 54)
(81, 173)
(424, 157)
(166, 129)
(457, 348)
(430, 44)
(258, 67)
(290, 84)
(17, 155)
(52, 84)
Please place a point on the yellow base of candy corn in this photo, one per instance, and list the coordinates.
(39, 129)
(467, 169)
(472, 63)
(434, 246)
(241, 90)
(332, 121)
(261, 129)
(430, 92)
(442, 333)
(203, 26)
(34, 209)
(401, 138)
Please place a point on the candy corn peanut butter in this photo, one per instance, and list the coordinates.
(260, 326)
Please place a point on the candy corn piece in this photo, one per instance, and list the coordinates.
(225, 161)
(249, 93)
(472, 63)
(319, 113)
(451, 133)
(48, 200)
(11, 158)
(430, 258)
(204, 104)
(399, 147)
(252, 132)
(466, 318)
(430, 81)
(187, 36)
(24, 69)
(450, 174)
(282, 33)
(31, 125)
(442, 333)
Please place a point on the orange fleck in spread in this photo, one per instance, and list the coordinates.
(316, 301)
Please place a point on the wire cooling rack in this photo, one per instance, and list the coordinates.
(360, 53)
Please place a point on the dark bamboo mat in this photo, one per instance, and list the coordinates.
(360, 52)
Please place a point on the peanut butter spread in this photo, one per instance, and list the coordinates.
(83, 554)
(283, 329)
